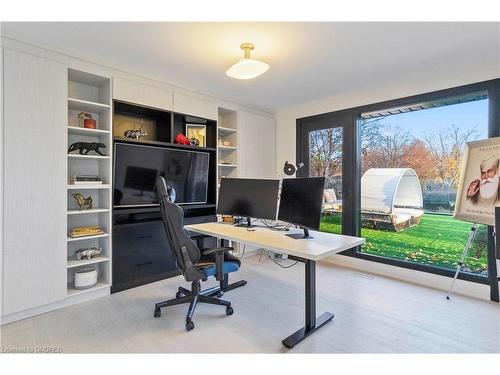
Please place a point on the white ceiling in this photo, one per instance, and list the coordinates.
(308, 60)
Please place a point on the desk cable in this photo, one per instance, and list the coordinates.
(242, 253)
(274, 227)
(289, 266)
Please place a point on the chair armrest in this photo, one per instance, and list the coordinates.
(218, 253)
(204, 263)
(218, 250)
(190, 271)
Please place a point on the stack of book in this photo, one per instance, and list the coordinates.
(85, 179)
(85, 231)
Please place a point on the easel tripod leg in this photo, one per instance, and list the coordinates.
(468, 245)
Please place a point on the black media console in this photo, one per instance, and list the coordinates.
(141, 253)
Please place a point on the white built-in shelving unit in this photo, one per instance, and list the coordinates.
(89, 93)
(227, 144)
(227, 154)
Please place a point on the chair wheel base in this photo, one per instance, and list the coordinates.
(157, 313)
(229, 310)
(220, 293)
(189, 325)
(179, 295)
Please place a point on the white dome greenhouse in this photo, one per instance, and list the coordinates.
(391, 198)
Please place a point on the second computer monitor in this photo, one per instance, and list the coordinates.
(256, 198)
(301, 202)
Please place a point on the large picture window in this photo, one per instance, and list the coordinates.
(410, 167)
(393, 170)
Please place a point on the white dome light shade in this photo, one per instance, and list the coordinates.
(247, 68)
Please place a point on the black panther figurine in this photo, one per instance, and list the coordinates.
(87, 146)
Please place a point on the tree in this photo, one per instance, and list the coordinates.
(447, 148)
(325, 152)
(418, 157)
(371, 133)
(382, 146)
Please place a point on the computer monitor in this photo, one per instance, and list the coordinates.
(257, 198)
(301, 203)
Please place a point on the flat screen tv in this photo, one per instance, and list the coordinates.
(136, 168)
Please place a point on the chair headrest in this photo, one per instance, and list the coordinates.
(165, 191)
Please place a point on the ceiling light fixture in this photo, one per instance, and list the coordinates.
(247, 68)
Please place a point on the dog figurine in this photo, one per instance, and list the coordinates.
(87, 253)
(137, 134)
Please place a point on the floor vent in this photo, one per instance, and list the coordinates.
(363, 275)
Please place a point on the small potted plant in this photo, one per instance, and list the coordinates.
(88, 121)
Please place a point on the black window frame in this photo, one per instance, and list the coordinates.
(352, 168)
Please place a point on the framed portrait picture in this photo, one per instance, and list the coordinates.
(198, 132)
(478, 189)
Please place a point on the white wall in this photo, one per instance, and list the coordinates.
(256, 153)
(286, 117)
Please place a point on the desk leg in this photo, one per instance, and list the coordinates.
(311, 323)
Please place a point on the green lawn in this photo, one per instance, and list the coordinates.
(438, 240)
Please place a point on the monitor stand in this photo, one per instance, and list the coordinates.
(299, 236)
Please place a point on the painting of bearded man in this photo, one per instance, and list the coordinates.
(478, 191)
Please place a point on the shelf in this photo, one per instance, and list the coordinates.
(88, 186)
(85, 131)
(225, 131)
(195, 206)
(164, 144)
(227, 148)
(100, 285)
(73, 262)
(87, 79)
(92, 211)
(86, 106)
(227, 165)
(79, 156)
(71, 239)
(195, 148)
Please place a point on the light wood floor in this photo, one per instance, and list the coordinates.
(372, 314)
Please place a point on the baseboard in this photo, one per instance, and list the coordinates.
(83, 297)
(462, 287)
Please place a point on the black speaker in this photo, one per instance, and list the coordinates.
(289, 169)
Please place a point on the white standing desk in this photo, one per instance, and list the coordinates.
(307, 251)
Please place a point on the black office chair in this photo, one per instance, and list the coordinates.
(196, 266)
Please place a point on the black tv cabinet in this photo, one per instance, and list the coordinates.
(141, 253)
